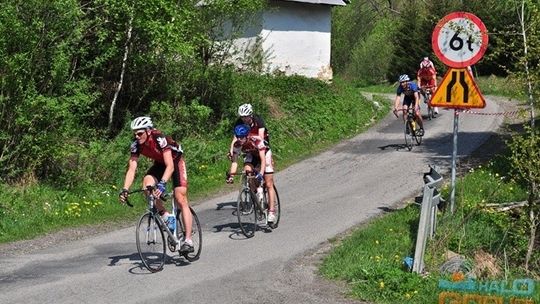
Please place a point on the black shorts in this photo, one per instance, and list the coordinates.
(179, 176)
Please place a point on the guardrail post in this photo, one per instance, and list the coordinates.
(428, 216)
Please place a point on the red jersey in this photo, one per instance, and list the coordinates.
(154, 146)
(426, 73)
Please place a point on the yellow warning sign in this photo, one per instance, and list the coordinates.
(458, 90)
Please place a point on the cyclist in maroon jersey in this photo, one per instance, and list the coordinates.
(255, 122)
(257, 156)
(168, 163)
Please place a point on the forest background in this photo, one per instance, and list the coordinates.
(74, 73)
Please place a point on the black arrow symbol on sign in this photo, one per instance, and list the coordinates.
(451, 84)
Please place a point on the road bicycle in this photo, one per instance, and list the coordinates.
(151, 230)
(251, 210)
(412, 130)
(428, 93)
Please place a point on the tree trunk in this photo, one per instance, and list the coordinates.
(123, 71)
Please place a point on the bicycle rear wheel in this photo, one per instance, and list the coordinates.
(151, 243)
(277, 209)
(196, 235)
(247, 215)
(409, 133)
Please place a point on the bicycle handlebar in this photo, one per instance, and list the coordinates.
(149, 188)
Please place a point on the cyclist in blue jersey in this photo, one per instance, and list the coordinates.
(411, 98)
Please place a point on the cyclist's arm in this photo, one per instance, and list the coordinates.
(231, 148)
(130, 173)
(234, 165)
(169, 165)
(263, 161)
(417, 101)
(261, 132)
(396, 102)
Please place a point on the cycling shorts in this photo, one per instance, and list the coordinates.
(179, 176)
(255, 161)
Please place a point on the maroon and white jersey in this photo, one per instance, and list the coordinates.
(252, 145)
(155, 145)
(256, 123)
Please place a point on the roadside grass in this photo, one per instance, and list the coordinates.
(493, 244)
(305, 116)
(371, 259)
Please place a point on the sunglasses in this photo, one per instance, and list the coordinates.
(139, 134)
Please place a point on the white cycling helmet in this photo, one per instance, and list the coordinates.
(143, 122)
(245, 110)
(404, 77)
(426, 63)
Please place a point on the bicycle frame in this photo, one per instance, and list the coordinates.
(150, 198)
(246, 176)
(428, 94)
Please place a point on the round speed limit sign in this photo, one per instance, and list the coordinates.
(460, 39)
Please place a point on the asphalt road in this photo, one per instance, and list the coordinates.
(321, 197)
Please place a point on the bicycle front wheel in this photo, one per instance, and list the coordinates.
(409, 133)
(196, 235)
(418, 139)
(247, 215)
(151, 243)
(429, 108)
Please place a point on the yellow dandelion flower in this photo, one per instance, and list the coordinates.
(408, 295)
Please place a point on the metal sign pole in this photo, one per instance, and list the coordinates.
(454, 157)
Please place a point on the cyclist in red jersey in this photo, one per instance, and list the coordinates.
(427, 78)
(168, 163)
(257, 155)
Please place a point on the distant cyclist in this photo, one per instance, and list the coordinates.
(257, 156)
(427, 78)
(168, 164)
(411, 99)
(255, 123)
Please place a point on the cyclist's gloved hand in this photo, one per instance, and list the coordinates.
(229, 179)
(162, 187)
(123, 195)
(259, 177)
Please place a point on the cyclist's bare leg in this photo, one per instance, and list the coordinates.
(180, 196)
(419, 118)
(269, 180)
(404, 112)
(149, 180)
(252, 183)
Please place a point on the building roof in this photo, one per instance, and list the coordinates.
(328, 2)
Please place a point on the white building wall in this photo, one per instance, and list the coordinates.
(296, 39)
(292, 38)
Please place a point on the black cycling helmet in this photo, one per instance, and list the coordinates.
(241, 130)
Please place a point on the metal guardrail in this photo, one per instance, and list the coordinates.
(428, 215)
